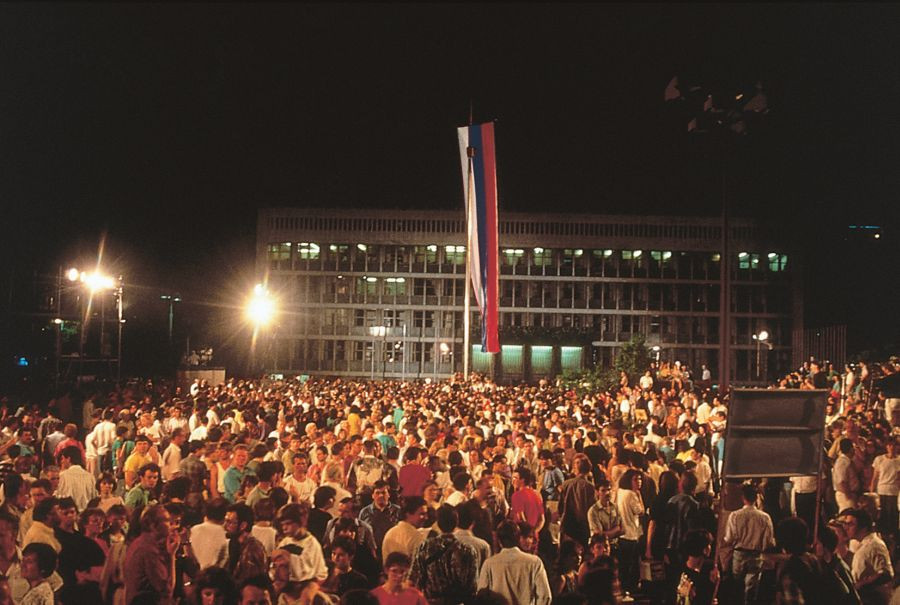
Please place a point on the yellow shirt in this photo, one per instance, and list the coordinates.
(135, 461)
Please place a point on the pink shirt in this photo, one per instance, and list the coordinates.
(528, 503)
(407, 596)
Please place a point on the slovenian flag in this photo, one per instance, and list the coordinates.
(479, 171)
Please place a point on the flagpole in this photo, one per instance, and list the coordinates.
(467, 313)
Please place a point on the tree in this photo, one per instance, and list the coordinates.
(633, 358)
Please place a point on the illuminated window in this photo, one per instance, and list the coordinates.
(777, 262)
(367, 285)
(425, 254)
(632, 254)
(661, 256)
(512, 256)
(340, 251)
(543, 257)
(395, 286)
(279, 255)
(747, 260)
(307, 251)
(456, 255)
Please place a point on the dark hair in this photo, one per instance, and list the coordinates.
(695, 542)
(10, 519)
(461, 480)
(791, 535)
(526, 475)
(72, 453)
(215, 577)
(298, 512)
(411, 504)
(177, 488)
(508, 534)
(344, 543)
(267, 470)
(150, 467)
(44, 508)
(244, 514)
(467, 512)
(828, 538)
(107, 478)
(322, 495)
(749, 492)
(45, 556)
(447, 518)
(397, 558)
(216, 508)
(12, 485)
(264, 509)
(627, 477)
(863, 518)
(279, 496)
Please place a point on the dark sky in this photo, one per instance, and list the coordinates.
(168, 126)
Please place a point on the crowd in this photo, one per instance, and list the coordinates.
(461, 491)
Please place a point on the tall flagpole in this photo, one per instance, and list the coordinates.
(470, 193)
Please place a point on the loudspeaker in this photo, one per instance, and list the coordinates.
(774, 433)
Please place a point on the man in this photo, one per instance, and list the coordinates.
(46, 517)
(518, 576)
(552, 479)
(347, 509)
(871, 569)
(577, 496)
(844, 477)
(269, 475)
(295, 447)
(381, 515)
(405, 536)
(194, 468)
(886, 483)
(803, 498)
(246, 555)
(171, 458)
(319, 517)
(150, 559)
(365, 471)
(749, 532)
(142, 454)
(298, 484)
(208, 539)
(526, 504)
(468, 511)
(603, 516)
(81, 559)
(74, 481)
(234, 476)
(40, 490)
(307, 560)
(104, 436)
(16, 496)
(443, 567)
(144, 492)
(412, 475)
(462, 485)
(801, 577)
(343, 577)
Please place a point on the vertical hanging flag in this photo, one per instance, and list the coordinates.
(479, 171)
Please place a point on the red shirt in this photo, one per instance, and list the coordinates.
(412, 478)
(527, 503)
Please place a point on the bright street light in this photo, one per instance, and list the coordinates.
(97, 281)
(73, 274)
(261, 307)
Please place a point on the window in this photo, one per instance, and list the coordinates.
(395, 286)
(424, 287)
(748, 261)
(632, 254)
(512, 256)
(340, 252)
(425, 254)
(367, 285)
(307, 251)
(423, 319)
(279, 256)
(777, 262)
(456, 255)
(543, 257)
(661, 257)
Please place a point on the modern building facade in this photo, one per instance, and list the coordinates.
(379, 294)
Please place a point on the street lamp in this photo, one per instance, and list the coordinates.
(260, 311)
(97, 282)
(760, 338)
(656, 349)
(377, 332)
(171, 299)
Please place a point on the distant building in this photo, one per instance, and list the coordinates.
(377, 293)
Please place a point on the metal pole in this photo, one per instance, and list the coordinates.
(758, 343)
(467, 303)
(403, 361)
(171, 320)
(58, 327)
(119, 338)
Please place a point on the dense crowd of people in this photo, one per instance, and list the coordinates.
(462, 491)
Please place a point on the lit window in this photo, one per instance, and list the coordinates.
(747, 260)
(631, 254)
(361, 247)
(575, 253)
(279, 255)
(394, 286)
(660, 255)
(512, 256)
(456, 255)
(307, 251)
(777, 262)
(543, 257)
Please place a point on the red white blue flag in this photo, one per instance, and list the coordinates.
(479, 171)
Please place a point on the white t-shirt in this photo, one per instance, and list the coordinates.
(888, 475)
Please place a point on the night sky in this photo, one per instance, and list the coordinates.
(166, 127)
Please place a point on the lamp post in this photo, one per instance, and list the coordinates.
(171, 299)
(260, 311)
(95, 283)
(375, 332)
(760, 338)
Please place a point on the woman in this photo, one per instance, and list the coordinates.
(38, 564)
(106, 488)
(597, 575)
(395, 590)
(631, 508)
(475, 465)
(657, 531)
(564, 578)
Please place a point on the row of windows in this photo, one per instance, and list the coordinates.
(374, 257)
(506, 227)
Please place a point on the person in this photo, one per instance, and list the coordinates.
(150, 559)
(577, 496)
(467, 512)
(381, 515)
(74, 481)
(38, 564)
(319, 517)
(208, 539)
(106, 492)
(143, 454)
(749, 532)
(413, 474)
(395, 590)
(871, 568)
(144, 491)
(45, 518)
(800, 577)
(254, 591)
(171, 458)
(886, 483)
(246, 555)
(214, 586)
(631, 508)
(838, 580)
(307, 559)
(443, 567)
(269, 476)
(518, 576)
(262, 530)
(844, 476)
(405, 536)
(526, 504)
(343, 577)
(697, 582)
(236, 473)
(603, 516)
(298, 484)
(81, 559)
